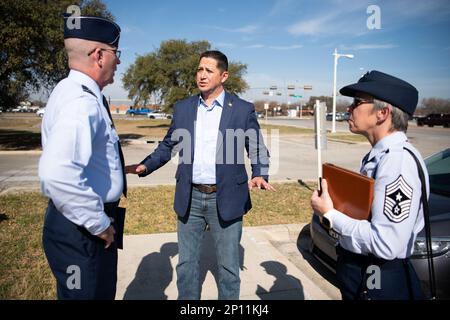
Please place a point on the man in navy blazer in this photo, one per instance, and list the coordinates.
(211, 132)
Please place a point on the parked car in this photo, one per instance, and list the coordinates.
(139, 111)
(323, 244)
(434, 119)
(17, 109)
(340, 116)
(158, 115)
(40, 112)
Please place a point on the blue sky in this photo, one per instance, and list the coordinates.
(286, 42)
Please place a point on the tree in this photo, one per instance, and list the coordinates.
(32, 55)
(168, 73)
(434, 105)
(312, 101)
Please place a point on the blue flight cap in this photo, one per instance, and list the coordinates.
(92, 28)
(387, 88)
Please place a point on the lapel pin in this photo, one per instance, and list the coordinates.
(230, 104)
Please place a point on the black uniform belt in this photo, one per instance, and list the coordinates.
(205, 188)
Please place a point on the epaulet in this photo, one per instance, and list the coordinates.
(86, 89)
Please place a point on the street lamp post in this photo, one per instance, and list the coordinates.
(336, 57)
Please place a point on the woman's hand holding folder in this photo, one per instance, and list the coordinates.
(323, 203)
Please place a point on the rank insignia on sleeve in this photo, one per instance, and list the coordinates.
(397, 201)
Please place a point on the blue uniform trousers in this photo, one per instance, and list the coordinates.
(398, 279)
(83, 268)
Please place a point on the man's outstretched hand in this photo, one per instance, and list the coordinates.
(260, 183)
(135, 169)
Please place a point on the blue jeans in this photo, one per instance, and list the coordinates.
(226, 235)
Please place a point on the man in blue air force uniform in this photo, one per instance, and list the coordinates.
(380, 111)
(81, 169)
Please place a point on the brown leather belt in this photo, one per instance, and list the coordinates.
(205, 188)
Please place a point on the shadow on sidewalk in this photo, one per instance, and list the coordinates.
(153, 275)
(285, 286)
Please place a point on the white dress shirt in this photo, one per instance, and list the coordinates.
(206, 133)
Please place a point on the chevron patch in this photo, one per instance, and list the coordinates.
(397, 201)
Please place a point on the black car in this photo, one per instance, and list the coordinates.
(323, 245)
(434, 119)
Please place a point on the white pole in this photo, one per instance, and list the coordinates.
(319, 147)
(333, 127)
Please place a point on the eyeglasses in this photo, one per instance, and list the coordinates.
(115, 51)
(357, 102)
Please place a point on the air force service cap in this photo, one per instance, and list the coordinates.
(387, 88)
(92, 28)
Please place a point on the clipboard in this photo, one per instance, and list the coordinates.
(352, 193)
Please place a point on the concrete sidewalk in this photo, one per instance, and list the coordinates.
(275, 264)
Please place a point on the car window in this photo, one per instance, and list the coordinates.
(438, 167)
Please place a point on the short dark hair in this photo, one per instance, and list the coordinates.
(222, 60)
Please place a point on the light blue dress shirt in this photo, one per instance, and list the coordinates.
(80, 168)
(397, 213)
(206, 133)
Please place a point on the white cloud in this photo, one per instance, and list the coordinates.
(245, 29)
(371, 46)
(294, 46)
(255, 46)
(259, 46)
(337, 18)
(279, 7)
(429, 9)
(131, 29)
(225, 45)
(311, 27)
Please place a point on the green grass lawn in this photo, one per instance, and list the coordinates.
(347, 137)
(24, 272)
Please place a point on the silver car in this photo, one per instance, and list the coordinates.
(158, 115)
(323, 244)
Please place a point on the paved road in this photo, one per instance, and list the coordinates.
(427, 140)
(293, 157)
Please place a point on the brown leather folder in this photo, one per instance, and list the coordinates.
(351, 192)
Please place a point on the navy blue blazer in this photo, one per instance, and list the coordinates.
(233, 197)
